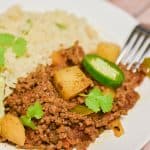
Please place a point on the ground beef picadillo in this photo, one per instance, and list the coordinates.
(59, 128)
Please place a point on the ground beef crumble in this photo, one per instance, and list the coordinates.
(60, 128)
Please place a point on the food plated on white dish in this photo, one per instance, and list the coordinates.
(60, 86)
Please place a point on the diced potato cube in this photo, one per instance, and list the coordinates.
(70, 81)
(108, 51)
(12, 129)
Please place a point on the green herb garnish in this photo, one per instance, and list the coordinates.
(92, 100)
(97, 101)
(25, 32)
(19, 47)
(61, 26)
(106, 103)
(28, 27)
(29, 22)
(34, 111)
(6, 39)
(2, 57)
(27, 122)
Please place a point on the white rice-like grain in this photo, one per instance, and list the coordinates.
(43, 37)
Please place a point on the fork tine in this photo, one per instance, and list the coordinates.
(131, 49)
(137, 59)
(141, 40)
(130, 36)
(124, 50)
(130, 46)
(136, 47)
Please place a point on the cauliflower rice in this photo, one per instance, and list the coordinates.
(44, 33)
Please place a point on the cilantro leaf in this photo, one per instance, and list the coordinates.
(93, 104)
(97, 101)
(19, 47)
(29, 22)
(2, 57)
(26, 121)
(6, 39)
(92, 100)
(106, 102)
(28, 27)
(35, 111)
(61, 26)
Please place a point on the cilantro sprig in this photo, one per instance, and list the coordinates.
(33, 111)
(97, 101)
(61, 26)
(6, 39)
(2, 57)
(18, 45)
(26, 121)
(28, 27)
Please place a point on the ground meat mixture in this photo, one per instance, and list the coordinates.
(59, 128)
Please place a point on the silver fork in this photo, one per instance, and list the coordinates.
(136, 48)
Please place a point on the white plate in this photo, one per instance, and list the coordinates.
(115, 25)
